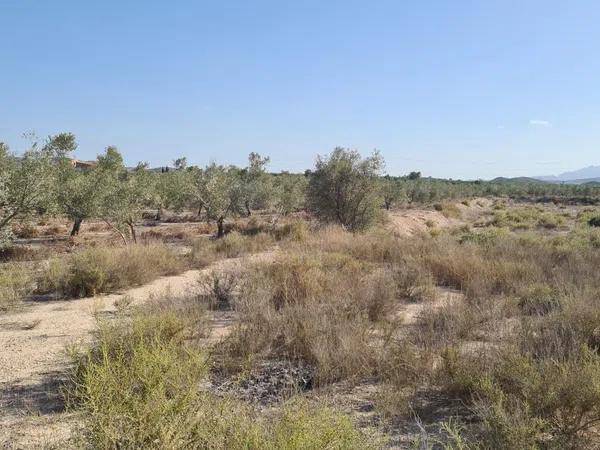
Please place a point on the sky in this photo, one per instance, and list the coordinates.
(454, 89)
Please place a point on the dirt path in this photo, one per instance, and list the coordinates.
(33, 360)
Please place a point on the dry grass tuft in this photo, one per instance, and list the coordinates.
(99, 270)
(16, 283)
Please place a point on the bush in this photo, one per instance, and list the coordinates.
(594, 221)
(232, 245)
(138, 384)
(98, 270)
(25, 230)
(539, 299)
(318, 308)
(138, 388)
(449, 210)
(521, 399)
(344, 189)
(15, 284)
(298, 231)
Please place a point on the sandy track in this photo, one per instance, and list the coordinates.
(33, 360)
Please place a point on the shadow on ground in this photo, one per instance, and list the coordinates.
(42, 398)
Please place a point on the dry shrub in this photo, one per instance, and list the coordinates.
(297, 231)
(234, 244)
(414, 281)
(97, 270)
(537, 401)
(377, 245)
(16, 283)
(217, 289)
(25, 230)
(449, 210)
(206, 251)
(54, 230)
(98, 226)
(318, 308)
(165, 235)
(20, 253)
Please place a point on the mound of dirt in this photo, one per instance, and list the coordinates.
(412, 221)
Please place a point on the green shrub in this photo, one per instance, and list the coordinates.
(539, 299)
(309, 426)
(138, 383)
(520, 399)
(138, 387)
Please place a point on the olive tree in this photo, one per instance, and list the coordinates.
(344, 188)
(76, 190)
(256, 186)
(122, 196)
(217, 189)
(26, 182)
(290, 192)
(172, 190)
(392, 191)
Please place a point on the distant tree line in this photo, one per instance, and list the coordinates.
(343, 187)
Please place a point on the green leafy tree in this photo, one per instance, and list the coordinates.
(290, 192)
(344, 188)
(256, 186)
(172, 190)
(217, 189)
(76, 190)
(26, 182)
(123, 196)
(392, 191)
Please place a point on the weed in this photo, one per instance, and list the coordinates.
(97, 270)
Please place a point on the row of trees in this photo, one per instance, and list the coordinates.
(343, 188)
(45, 180)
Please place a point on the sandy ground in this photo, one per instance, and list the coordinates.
(407, 222)
(33, 360)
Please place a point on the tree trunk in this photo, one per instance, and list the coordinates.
(158, 213)
(200, 209)
(118, 231)
(76, 226)
(132, 230)
(388, 205)
(247, 205)
(220, 228)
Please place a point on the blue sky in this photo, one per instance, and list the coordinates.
(461, 89)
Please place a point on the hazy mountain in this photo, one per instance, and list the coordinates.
(523, 180)
(582, 175)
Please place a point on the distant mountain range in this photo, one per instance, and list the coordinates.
(586, 175)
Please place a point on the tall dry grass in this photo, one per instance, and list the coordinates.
(107, 269)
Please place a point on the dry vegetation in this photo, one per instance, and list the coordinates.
(498, 319)
(519, 348)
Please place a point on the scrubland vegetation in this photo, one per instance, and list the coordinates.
(483, 333)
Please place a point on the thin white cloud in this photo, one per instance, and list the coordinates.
(539, 123)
